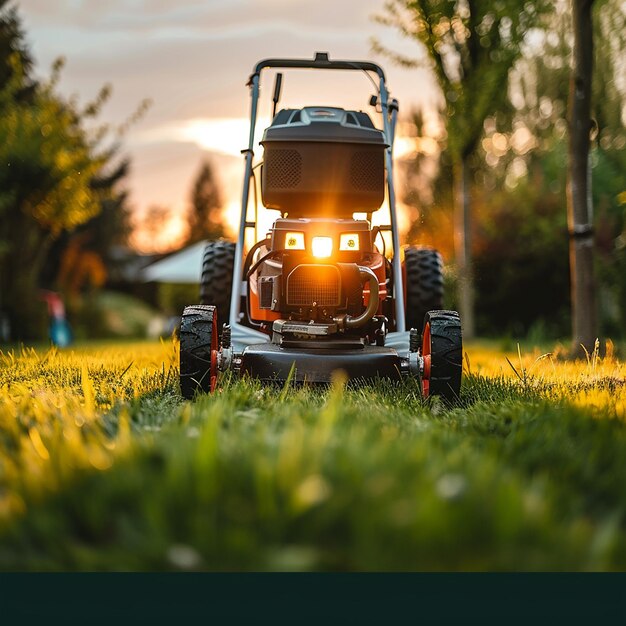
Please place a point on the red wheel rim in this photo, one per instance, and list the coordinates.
(213, 373)
(214, 349)
(426, 355)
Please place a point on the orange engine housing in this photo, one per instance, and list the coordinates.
(275, 261)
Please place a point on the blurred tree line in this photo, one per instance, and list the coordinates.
(60, 186)
(516, 170)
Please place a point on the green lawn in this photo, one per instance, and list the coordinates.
(104, 467)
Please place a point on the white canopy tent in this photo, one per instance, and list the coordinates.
(180, 267)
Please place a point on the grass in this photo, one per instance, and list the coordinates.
(104, 467)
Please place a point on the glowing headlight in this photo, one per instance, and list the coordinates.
(322, 246)
(349, 241)
(294, 241)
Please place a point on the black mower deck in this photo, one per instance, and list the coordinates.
(270, 362)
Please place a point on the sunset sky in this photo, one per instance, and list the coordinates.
(192, 59)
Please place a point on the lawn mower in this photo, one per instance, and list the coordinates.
(324, 290)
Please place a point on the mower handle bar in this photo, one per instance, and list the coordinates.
(321, 61)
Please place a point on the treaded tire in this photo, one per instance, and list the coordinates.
(216, 282)
(442, 341)
(424, 284)
(198, 350)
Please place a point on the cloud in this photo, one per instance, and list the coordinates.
(224, 136)
(193, 58)
(150, 15)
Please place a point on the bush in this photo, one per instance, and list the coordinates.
(173, 298)
(106, 314)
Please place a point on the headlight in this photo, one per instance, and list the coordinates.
(294, 241)
(349, 241)
(322, 247)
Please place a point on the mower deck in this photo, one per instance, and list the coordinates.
(270, 362)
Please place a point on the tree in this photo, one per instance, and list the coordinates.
(49, 180)
(44, 190)
(471, 46)
(520, 232)
(206, 200)
(518, 187)
(13, 46)
(99, 235)
(579, 205)
(111, 225)
(540, 90)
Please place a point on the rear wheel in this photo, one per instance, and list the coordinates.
(198, 350)
(216, 283)
(424, 284)
(442, 350)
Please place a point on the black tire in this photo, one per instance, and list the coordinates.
(424, 284)
(446, 353)
(216, 282)
(198, 341)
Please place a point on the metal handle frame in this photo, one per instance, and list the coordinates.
(389, 110)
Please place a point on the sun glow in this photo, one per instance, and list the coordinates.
(170, 234)
(224, 135)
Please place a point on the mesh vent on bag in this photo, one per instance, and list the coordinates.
(283, 168)
(366, 171)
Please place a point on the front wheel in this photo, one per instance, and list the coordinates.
(198, 350)
(442, 351)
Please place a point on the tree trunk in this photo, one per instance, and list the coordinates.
(579, 205)
(463, 245)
